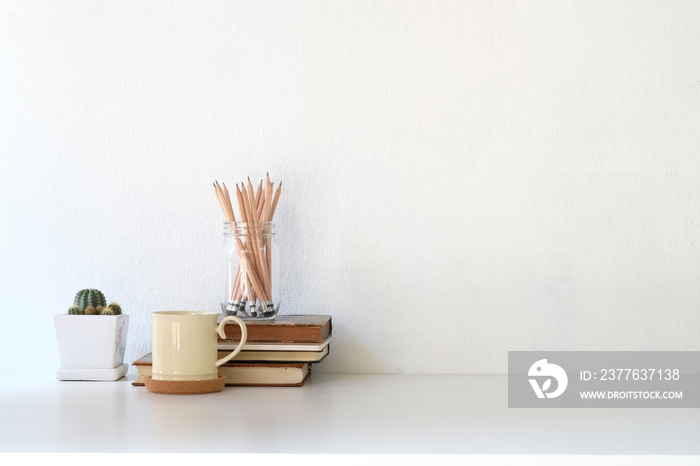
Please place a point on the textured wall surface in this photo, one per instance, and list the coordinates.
(460, 179)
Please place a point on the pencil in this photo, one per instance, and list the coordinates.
(267, 211)
(253, 248)
(274, 201)
(261, 264)
(247, 265)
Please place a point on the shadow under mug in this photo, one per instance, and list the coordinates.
(185, 344)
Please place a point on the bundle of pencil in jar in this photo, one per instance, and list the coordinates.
(252, 275)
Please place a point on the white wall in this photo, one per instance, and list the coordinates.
(460, 178)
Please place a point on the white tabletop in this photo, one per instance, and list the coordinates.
(369, 414)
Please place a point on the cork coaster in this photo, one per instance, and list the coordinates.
(185, 387)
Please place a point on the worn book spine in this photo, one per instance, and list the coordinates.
(283, 329)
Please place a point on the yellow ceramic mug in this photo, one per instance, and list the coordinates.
(185, 344)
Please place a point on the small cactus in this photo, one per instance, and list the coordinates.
(92, 302)
(89, 298)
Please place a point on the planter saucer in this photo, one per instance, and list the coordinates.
(185, 387)
(93, 374)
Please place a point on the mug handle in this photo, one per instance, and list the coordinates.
(222, 334)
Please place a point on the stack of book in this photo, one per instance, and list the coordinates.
(278, 352)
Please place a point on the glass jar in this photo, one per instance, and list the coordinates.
(252, 270)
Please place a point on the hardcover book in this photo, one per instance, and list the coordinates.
(230, 345)
(291, 328)
(277, 356)
(255, 374)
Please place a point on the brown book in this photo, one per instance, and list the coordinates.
(290, 328)
(250, 374)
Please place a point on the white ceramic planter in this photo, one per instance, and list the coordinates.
(91, 347)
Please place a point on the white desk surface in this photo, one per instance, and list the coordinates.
(348, 414)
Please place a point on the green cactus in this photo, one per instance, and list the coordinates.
(89, 298)
(116, 308)
(92, 302)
